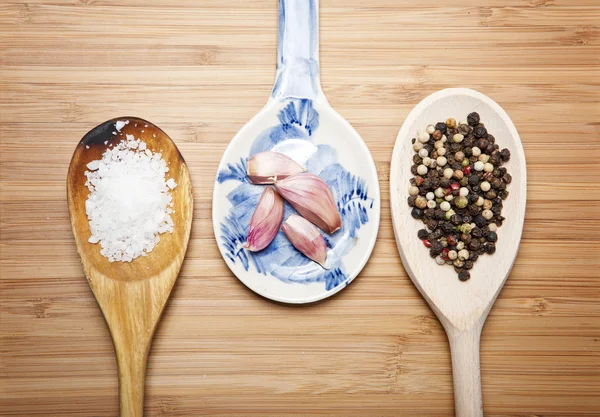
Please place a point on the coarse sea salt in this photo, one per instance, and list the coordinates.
(129, 204)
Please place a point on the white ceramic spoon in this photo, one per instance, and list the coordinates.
(298, 122)
(461, 307)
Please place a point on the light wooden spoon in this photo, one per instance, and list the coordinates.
(132, 295)
(461, 307)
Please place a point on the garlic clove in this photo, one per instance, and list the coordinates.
(312, 198)
(306, 238)
(265, 167)
(265, 221)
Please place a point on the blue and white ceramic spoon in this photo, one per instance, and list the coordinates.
(298, 122)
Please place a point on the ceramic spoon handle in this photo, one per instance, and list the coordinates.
(464, 347)
(298, 50)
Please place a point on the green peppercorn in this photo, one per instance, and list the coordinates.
(461, 202)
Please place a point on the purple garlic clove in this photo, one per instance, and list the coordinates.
(265, 221)
(306, 238)
(312, 198)
(267, 167)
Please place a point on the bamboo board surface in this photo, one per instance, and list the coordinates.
(200, 70)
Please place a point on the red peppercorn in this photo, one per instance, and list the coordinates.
(418, 181)
(451, 241)
(455, 186)
(444, 254)
(427, 243)
(467, 170)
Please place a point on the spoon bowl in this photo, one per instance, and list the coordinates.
(461, 307)
(298, 122)
(132, 295)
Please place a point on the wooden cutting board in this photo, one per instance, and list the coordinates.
(200, 70)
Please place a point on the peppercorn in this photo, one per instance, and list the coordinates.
(503, 194)
(464, 275)
(411, 200)
(413, 170)
(432, 224)
(492, 237)
(491, 194)
(468, 264)
(473, 256)
(436, 248)
(427, 243)
(441, 126)
(422, 234)
(463, 129)
(456, 219)
(479, 220)
(440, 214)
(505, 154)
(507, 178)
(474, 244)
(473, 119)
(447, 227)
(490, 248)
(480, 131)
(416, 213)
(451, 123)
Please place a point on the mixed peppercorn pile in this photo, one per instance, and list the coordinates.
(457, 190)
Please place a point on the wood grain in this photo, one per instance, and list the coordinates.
(200, 70)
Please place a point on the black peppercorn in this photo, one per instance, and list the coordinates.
(437, 233)
(447, 227)
(432, 224)
(473, 119)
(490, 195)
(468, 151)
(468, 265)
(464, 130)
(473, 256)
(417, 213)
(474, 244)
(467, 219)
(485, 230)
(480, 131)
(492, 237)
(505, 154)
(473, 197)
(479, 220)
(436, 248)
(456, 219)
(464, 275)
(503, 194)
(411, 200)
(482, 144)
(476, 232)
(417, 159)
(429, 212)
(413, 170)
(494, 160)
(507, 178)
(444, 182)
(473, 209)
(490, 248)
(423, 234)
(496, 210)
(491, 138)
(473, 180)
(440, 214)
(441, 126)
(481, 250)
(455, 147)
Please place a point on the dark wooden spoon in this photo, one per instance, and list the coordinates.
(132, 295)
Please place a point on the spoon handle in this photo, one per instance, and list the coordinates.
(132, 376)
(464, 347)
(298, 50)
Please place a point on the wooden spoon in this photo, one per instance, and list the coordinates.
(461, 307)
(132, 295)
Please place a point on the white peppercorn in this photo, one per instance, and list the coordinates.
(485, 186)
(444, 139)
(448, 173)
(463, 192)
(483, 158)
(478, 166)
(423, 137)
(430, 129)
(439, 260)
(439, 192)
(413, 190)
(463, 254)
(438, 144)
(441, 161)
(487, 214)
(452, 255)
(417, 146)
(460, 245)
(449, 197)
(431, 204)
(487, 204)
(487, 167)
(493, 227)
(479, 201)
(427, 161)
(445, 206)
(441, 151)
(458, 138)
(423, 153)
(422, 170)
(476, 151)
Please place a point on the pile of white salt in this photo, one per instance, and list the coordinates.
(129, 204)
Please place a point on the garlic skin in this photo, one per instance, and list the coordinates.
(306, 238)
(266, 167)
(265, 221)
(312, 198)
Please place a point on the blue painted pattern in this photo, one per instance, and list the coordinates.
(298, 121)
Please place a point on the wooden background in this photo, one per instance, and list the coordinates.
(200, 70)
